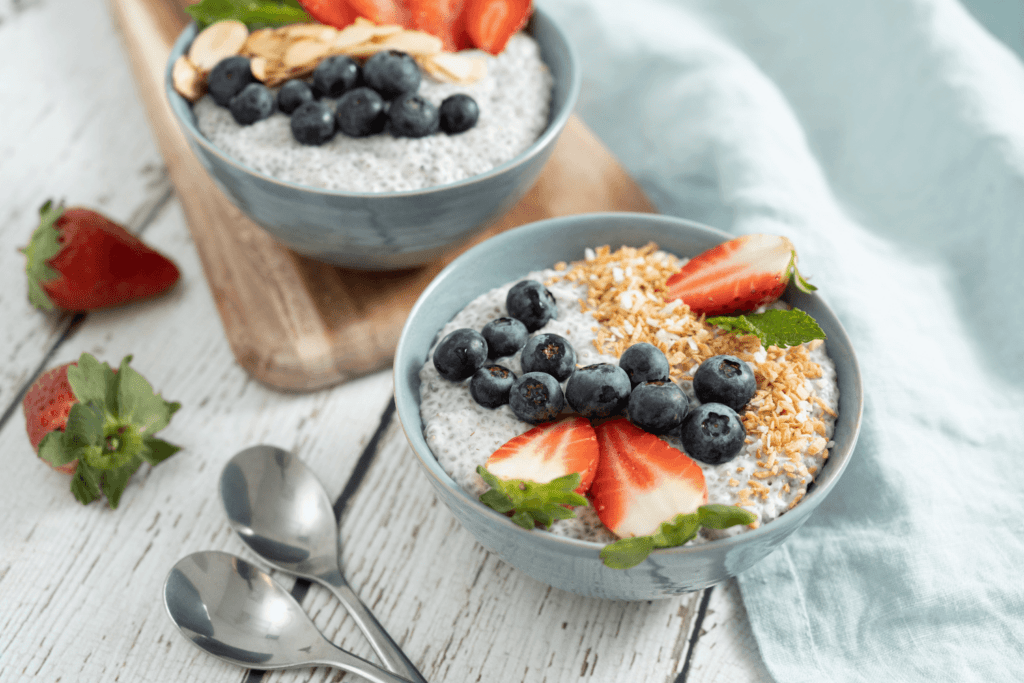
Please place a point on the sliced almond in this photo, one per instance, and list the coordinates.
(215, 42)
(456, 67)
(266, 42)
(304, 52)
(414, 42)
(318, 32)
(359, 33)
(259, 67)
(188, 80)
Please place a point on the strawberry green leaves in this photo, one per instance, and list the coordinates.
(42, 247)
(529, 502)
(109, 431)
(629, 552)
(252, 13)
(773, 327)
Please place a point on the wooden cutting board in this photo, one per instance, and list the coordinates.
(294, 323)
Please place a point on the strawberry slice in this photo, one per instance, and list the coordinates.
(549, 451)
(79, 260)
(383, 11)
(737, 276)
(336, 13)
(641, 481)
(442, 18)
(490, 23)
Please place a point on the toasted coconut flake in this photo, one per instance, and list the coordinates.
(215, 42)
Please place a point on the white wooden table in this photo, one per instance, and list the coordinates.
(80, 587)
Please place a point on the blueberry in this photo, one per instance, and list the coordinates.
(531, 303)
(724, 379)
(313, 123)
(551, 354)
(536, 397)
(460, 354)
(490, 385)
(712, 433)
(504, 337)
(598, 390)
(292, 94)
(392, 73)
(335, 75)
(657, 407)
(411, 116)
(644, 362)
(459, 113)
(361, 112)
(228, 78)
(254, 103)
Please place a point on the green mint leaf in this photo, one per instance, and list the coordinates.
(94, 382)
(724, 516)
(252, 13)
(114, 481)
(677, 532)
(774, 327)
(51, 449)
(85, 484)
(627, 552)
(156, 450)
(137, 404)
(532, 503)
(43, 246)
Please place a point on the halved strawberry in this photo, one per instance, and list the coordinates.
(383, 11)
(737, 276)
(442, 18)
(336, 13)
(641, 481)
(549, 451)
(490, 23)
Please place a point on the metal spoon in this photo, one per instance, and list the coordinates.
(237, 613)
(281, 511)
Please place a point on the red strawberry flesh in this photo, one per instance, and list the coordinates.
(641, 481)
(737, 276)
(549, 451)
(337, 13)
(46, 406)
(490, 23)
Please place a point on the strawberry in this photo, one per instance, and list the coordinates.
(336, 13)
(536, 474)
(490, 23)
(737, 276)
(383, 11)
(97, 424)
(79, 260)
(641, 481)
(442, 18)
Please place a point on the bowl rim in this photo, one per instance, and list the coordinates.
(815, 494)
(551, 132)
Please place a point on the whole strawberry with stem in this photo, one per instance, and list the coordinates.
(737, 276)
(79, 260)
(97, 424)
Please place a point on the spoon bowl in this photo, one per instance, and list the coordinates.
(281, 511)
(236, 612)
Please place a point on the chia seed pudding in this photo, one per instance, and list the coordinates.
(605, 304)
(514, 98)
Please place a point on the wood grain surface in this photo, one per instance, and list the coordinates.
(297, 324)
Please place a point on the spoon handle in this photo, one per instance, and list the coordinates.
(386, 648)
(333, 655)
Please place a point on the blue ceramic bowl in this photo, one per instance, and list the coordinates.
(574, 565)
(391, 230)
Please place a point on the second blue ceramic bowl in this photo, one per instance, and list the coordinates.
(570, 564)
(392, 230)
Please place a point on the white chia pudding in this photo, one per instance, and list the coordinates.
(514, 98)
(607, 303)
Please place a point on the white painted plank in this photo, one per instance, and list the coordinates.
(726, 651)
(73, 128)
(80, 586)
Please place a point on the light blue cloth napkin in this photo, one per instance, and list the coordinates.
(886, 139)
